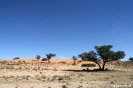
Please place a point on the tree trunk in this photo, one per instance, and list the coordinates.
(48, 60)
(98, 65)
(103, 67)
(74, 63)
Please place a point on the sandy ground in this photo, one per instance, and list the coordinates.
(62, 74)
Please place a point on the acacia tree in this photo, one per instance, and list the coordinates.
(74, 58)
(49, 56)
(38, 57)
(131, 59)
(102, 55)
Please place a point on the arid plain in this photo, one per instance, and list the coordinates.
(61, 73)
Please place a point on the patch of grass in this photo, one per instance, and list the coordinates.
(88, 65)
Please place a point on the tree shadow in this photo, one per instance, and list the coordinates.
(86, 70)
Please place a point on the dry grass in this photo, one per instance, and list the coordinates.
(61, 74)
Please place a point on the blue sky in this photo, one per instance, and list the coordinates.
(64, 27)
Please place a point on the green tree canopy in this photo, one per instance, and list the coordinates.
(74, 58)
(16, 58)
(103, 54)
(38, 57)
(44, 59)
(131, 59)
(49, 56)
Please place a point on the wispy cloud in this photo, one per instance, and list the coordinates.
(61, 57)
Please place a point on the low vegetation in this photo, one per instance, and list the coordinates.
(88, 65)
(44, 59)
(16, 58)
(131, 59)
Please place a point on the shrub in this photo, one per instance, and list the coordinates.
(64, 86)
(63, 62)
(16, 58)
(79, 61)
(44, 59)
(88, 65)
(131, 59)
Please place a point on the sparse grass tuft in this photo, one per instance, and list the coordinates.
(64, 86)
